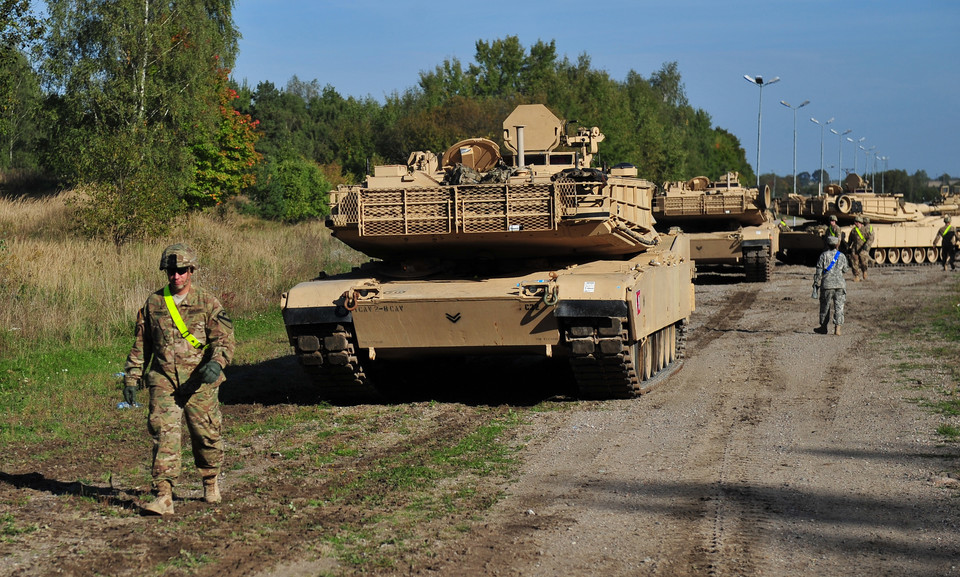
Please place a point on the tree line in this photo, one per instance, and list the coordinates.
(130, 102)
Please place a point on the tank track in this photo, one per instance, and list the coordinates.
(605, 365)
(328, 353)
(757, 265)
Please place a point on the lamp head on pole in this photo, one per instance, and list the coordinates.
(758, 80)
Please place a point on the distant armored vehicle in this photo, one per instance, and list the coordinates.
(534, 252)
(905, 232)
(728, 224)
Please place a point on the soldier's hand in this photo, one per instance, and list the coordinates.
(210, 372)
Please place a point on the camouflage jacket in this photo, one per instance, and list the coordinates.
(860, 239)
(833, 278)
(172, 360)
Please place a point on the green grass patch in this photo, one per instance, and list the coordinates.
(949, 431)
(10, 528)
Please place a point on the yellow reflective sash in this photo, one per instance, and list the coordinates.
(946, 230)
(859, 233)
(178, 320)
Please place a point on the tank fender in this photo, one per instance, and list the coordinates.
(323, 301)
(755, 243)
(591, 308)
(317, 315)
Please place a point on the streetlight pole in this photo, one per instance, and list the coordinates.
(821, 125)
(840, 136)
(856, 144)
(794, 109)
(866, 162)
(883, 174)
(759, 82)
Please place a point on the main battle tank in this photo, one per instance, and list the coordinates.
(533, 252)
(904, 232)
(728, 224)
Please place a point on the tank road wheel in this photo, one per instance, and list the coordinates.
(919, 255)
(671, 344)
(893, 255)
(932, 254)
(644, 356)
(878, 255)
(658, 356)
(906, 255)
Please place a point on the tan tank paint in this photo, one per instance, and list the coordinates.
(489, 255)
(727, 223)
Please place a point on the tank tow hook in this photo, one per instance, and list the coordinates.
(352, 297)
(548, 290)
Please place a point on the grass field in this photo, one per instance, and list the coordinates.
(68, 304)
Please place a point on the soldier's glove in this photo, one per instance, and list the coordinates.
(210, 372)
(130, 394)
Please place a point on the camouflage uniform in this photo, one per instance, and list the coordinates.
(859, 243)
(832, 287)
(947, 235)
(832, 230)
(175, 388)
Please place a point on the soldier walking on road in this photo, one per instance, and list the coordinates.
(183, 340)
(829, 286)
(947, 237)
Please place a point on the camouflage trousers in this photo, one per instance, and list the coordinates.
(835, 299)
(204, 422)
(859, 262)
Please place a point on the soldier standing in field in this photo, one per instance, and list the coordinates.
(858, 244)
(829, 285)
(183, 340)
(947, 237)
(833, 229)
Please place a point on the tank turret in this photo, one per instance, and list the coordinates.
(535, 202)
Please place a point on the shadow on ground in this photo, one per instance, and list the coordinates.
(521, 381)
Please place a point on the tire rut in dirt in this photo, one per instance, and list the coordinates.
(726, 319)
(734, 513)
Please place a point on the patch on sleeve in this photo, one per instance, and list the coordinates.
(223, 319)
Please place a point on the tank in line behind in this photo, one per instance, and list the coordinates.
(533, 252)
(905, 232)
(727, 223)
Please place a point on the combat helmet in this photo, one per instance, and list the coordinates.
(833, 241)
(177, 256)
(946, 218)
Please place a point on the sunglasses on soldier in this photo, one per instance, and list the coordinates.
(178, 270)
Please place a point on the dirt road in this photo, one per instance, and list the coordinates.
(774, 451)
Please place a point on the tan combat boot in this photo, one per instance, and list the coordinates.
(211, 489)
(163, 504)
(864, 275)
(836, 330)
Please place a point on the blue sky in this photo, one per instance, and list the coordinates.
(888, 70)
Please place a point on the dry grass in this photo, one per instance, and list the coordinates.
(54, 285)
